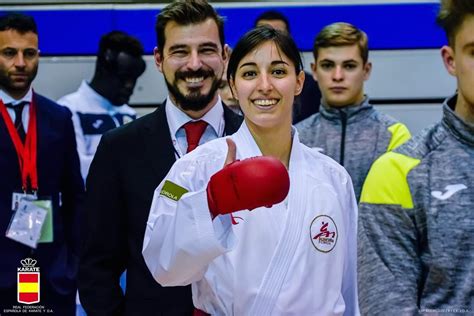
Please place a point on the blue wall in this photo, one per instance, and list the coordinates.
(389, 26)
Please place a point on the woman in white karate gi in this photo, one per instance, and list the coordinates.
(297, 257)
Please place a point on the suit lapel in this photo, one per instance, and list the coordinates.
(44, 129)
(157, 141)
(156, 136)
(8, 153)
(232, 121)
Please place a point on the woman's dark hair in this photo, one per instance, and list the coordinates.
(255, 38)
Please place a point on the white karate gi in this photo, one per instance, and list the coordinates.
(268, 263)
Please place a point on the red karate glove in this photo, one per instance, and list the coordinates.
(247, 184)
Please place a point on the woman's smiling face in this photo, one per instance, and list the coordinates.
(266, 83)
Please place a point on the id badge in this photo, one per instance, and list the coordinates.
(17, 197)
(32, 221)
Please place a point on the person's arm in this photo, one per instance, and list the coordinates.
(349, 282)
(181, 238)
(72, 191)
(389, 265)
(85, 159)
(189, 226)
(103, 252)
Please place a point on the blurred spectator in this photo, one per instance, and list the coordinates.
(40, 180)
(347, 127)
(225, 92)
(101, 105)
(307, 103)
(416, 220)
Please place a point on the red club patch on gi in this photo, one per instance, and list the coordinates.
(323, 233)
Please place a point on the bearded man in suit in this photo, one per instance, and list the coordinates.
(133, 159)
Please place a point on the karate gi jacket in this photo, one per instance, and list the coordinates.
(296, 258)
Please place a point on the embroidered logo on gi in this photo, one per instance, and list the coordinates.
(450, 191)
(28, 287)
(323, 233)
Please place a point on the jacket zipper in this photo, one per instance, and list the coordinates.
(343, 136)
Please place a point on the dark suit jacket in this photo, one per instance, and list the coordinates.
(129, 164)
(58, 177)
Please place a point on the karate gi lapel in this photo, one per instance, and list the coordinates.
(276, 272)
(246, 145)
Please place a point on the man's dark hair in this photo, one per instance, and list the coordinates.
(19, 22)
(451, 16)
(115, 42)
(273, 15)
(186, 12)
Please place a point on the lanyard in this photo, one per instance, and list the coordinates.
(26, 152)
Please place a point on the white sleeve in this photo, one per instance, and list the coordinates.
(349, 282)
(181, 239)
(84, 158)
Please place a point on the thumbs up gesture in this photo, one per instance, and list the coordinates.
(247, 184)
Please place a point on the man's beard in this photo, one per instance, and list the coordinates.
(194, 101)
(6, 83)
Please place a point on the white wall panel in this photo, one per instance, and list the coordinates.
(413, 74)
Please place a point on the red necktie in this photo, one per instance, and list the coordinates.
(194, 131)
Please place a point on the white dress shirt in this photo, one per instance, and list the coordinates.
(177, 118)
(26, 110)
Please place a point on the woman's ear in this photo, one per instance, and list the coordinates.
(232, 88)
(299, 82)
